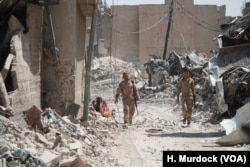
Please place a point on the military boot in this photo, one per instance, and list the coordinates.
(184, 120)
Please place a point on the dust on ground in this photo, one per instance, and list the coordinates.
(157, 127)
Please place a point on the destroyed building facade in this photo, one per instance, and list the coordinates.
(42, 53)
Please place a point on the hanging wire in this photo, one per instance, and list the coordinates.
(197, 20)
(113, 76)
(181, 34)
(194, 18)
(112, 66)
(145, 29)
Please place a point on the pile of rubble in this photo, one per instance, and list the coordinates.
(164, 75)
(221, 82)
(107, 72)
(55, 141)
(218, 89)
(106, 68)
(230, 75)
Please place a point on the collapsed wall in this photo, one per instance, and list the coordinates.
(31, 75)
(21, 53)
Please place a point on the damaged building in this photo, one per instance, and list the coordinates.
(42, 55)
(42, 52)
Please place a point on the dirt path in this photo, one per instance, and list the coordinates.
(141, 145)
(128, 153)
(158, 128)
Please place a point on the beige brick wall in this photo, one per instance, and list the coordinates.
(124, 45)
(190, 30)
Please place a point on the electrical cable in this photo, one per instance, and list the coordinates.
(197, 20)
(115, 50)
(181, 34)
(145, 29)
(194, 18)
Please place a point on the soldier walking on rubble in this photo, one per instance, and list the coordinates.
(130, 96)
(186, 87)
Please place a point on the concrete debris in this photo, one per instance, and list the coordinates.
(6, 111)
(164, 74)
(160, 71)
(236, 32)
(62, 144)
(236, 87)
(229, 73)
(159, 94)
(242, 116)
(51, 140)
(156, 69)
(106, 68)
(161, 90)
(50, 158)
(221, 82)
(239, 136)
(23, 156)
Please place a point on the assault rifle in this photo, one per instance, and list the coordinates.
(134, 92)
(194, 100)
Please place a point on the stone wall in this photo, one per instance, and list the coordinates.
(27, 49)
(193, 28)
(62, 79)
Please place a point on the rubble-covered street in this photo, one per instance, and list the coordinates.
(57, 93)
(63, 141)
(158, 123)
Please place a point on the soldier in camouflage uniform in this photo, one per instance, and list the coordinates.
(129, 97)
(186, 87)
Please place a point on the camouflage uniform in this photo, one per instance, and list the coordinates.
(187, 90)
(127, 91)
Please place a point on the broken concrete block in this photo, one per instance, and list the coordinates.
(66, 162)
(49, 158)
(31, 149)
(40, 138)
(87, 141)
(75, 145)
(4, 149)
(239, 136)
(241, 117)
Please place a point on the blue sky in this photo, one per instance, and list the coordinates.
(233, 7)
